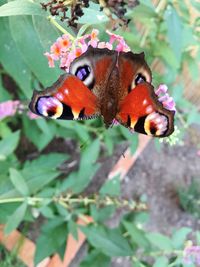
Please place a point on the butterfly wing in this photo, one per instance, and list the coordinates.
(68, 99)
(79, 94)
(139, 108)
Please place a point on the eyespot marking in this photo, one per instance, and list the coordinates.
(49, 107)
(156, 124)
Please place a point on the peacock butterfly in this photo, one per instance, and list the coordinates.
(111, 84)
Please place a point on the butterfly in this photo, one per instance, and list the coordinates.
(113, 85)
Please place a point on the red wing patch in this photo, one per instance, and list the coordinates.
(140, 110)
(67, 99)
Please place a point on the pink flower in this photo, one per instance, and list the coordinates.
(164, 98)
(121, 44)
(50, 60)
(115, 122)
(105, 45)
(122, 47)
(94, 39)
(192, 255)
(56, 51)
(114, 37)
(64, 42)
(82, 43)
(8, 108)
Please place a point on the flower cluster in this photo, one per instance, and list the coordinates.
(8, 108)
(66, 48)
(11, 107)
(164, 98)
(192, 255)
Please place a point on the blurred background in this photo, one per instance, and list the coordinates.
(42, 160)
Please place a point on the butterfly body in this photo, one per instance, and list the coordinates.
(110, 84)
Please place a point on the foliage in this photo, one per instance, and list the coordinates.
(33, 181)
(190, 198)
(9, 259)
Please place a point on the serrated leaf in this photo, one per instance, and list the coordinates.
(15, 219)
(9, 143)
(160, 241)
(19, 182)
(21, 7)
(109, 241)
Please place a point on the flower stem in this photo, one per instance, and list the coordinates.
(59, 27)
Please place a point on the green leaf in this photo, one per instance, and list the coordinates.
(90, 154)
(72, 227)
(111, 187)
(15, 219)
(30, 47)
(137, 235)
(9, 143)
(47, 33)
(163, 50)
(21, 7)
(83, 29)
(134, 143)
(179, 237)
(144, 13)
(37, 173)
(97, 259)
(19, 182)
(161, 262)
(34, 133)
(53, 237)
(102, 214)
(109, 241)
(109, 142)
(160, 241)
(174, 31)
(196, 4)
(93, 15)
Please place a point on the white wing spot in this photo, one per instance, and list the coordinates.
(149, 109)
(66, 91)
(60, 96)
(144, 102)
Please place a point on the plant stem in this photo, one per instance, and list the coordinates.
(68, 200)
(59, 27)
(161, 5)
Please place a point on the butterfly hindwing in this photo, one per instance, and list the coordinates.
(68, 98)
(140, 110)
